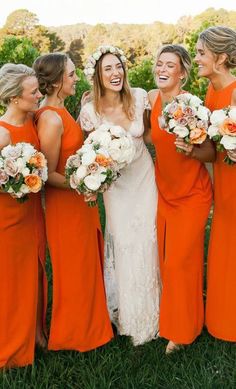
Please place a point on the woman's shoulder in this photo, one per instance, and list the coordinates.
(152, 96)
(49, 116)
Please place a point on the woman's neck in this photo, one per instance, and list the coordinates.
(111, 99)
(52, 101)
(15, 116)
(221, 80)
(168, 95)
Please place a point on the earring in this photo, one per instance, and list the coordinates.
(16, 101)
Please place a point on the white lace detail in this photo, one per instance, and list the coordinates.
(131, 267)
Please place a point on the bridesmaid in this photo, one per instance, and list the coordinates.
(80, 319)
(22, 238)
(216, 56)
(185, 197)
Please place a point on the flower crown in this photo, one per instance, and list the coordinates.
(89, 68)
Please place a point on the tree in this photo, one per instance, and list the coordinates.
(142, 76)
(18, 50)
(22, 23)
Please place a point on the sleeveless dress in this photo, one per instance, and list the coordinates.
(80, 319)
(221, 283)
(131, 261)
(185, 197)
(23, 244)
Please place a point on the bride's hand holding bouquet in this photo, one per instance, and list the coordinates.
(97, 164)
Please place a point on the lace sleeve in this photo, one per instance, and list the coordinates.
(85, 118)
(147, 104)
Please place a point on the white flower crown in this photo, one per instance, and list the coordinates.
(89, 68)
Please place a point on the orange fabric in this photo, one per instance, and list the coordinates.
(221, 274)
(184, 202)
(80, 319)
(22, 242)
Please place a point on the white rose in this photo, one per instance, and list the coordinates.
(24, 189)
(103, 152)
(25, 172)
(88, 157)
(81, 172)
(87, 147)
(104, 127)
(172, 123)
(28, 150)
(11, 151)
(217, 117)
(43, 173)
(229, 142)
(117, 131)
(181, 131)
(212, 131)
(195, 101)
(97, 55)
(102, 137)
(232, 113)
(203, 113)
(92, 182)
(74, 181)
(89, 71)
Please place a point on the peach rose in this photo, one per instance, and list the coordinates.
(228, 127)
(102, 160)
(178, 113)
(33, 182)
(197, 136)
(38, 160)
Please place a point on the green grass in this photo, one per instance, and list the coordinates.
(206, 364)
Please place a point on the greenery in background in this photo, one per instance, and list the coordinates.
(208, 363)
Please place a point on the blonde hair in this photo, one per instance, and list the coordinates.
(221, 40)
(99, 90)
(182, 54)
(11, 79)
(49, 69)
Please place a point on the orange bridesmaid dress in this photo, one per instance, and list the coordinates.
(185, 196)
(80, 319)
(221, 273)
(22, 242)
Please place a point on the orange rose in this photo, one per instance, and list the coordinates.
(33, 182)
(102, 160)
(228, 127)
(38, 160)
(178, 114)
(197, 136)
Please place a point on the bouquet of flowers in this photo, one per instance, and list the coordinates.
(97, 164)
(23, 170)
(223, 130)
(186, 117)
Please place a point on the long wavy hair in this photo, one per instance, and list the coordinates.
(99, 89)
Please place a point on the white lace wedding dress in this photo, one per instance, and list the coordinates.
(131, 268)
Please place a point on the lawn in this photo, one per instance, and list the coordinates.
(206, 364)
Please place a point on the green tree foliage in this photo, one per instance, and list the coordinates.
(142, 75)
(195, 85)
(22, 23)
(72, 103)
(17, 50)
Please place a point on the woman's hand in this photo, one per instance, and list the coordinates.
(232, 155)
(182, 145)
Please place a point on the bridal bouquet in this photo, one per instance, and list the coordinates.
(97, 164)
(223, 130)
(23, 170)
(186, 117)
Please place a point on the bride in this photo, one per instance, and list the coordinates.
(131, 268)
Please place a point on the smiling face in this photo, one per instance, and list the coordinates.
(168, 71)
(29, 99)
(112, 73)
(69, 80)
(205, 59)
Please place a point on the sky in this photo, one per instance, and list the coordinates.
(65, 12)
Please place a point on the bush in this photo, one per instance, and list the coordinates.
(72, 103)
(142, 76)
